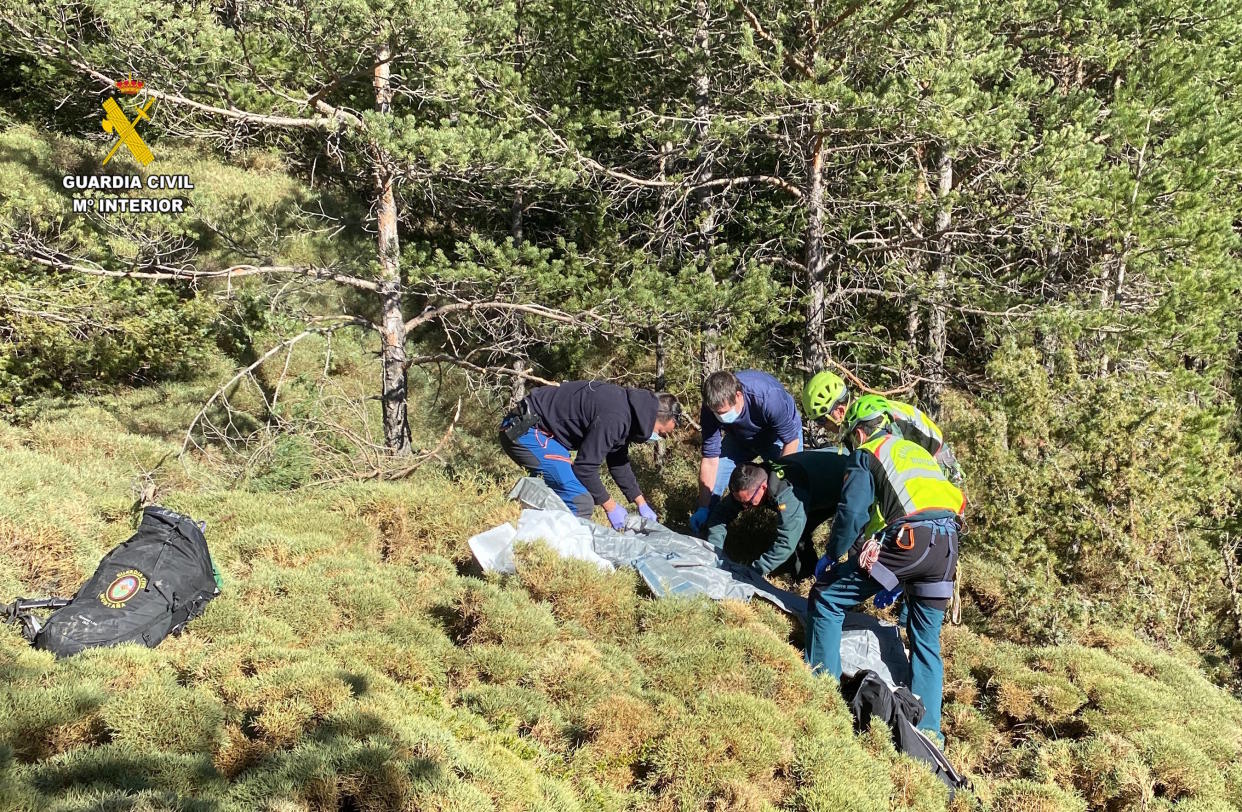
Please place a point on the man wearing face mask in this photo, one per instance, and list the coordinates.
(744, 416)
(803, 489)
(598, 420)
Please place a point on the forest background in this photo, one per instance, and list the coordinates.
(1022, 215)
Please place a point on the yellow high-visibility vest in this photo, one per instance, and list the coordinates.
(913, 476)
(915, 426)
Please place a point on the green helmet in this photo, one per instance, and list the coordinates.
(864, 410)
(823, 393)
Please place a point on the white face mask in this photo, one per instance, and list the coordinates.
(730, 416)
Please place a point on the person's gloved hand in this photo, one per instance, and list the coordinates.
(886, 598)
(647, 513)
(617, 517)
(698, 519)
(825, 564)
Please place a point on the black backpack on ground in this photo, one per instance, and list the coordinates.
(870, 697)
(143, 590)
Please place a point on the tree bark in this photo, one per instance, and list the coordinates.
(815, 349)
(711, 356)
(702, 126)
(517, 390)
(661, 382)
(517, 230)
(1111, 291)
(392, 323)
(937, 327)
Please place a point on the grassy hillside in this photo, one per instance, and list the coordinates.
(357, 660)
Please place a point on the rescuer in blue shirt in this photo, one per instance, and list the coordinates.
(745, 415)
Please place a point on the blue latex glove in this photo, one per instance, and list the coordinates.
(886, 598)
(698, 519)
(825, 564)
(647, 513)
(616, 517)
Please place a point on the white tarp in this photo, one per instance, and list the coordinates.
(493, 549)
(672, 563)
(563, 532)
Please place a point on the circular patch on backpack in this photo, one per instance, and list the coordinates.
(123, 587)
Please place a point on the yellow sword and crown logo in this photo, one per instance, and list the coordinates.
(116, 122)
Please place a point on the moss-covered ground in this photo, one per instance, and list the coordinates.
(358, 660)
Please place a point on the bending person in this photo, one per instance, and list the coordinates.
(599, 421)
(803, 489)
(744, 416)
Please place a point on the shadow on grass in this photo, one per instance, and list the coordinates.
(349, 763)
(180, 781)
(354, 763)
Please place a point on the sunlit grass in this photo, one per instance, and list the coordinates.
(357, 659)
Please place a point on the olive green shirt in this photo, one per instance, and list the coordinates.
(800, 484)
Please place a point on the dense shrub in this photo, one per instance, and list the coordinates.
(1096, 499)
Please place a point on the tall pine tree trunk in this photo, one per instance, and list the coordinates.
(517, 389)
(661, 382)
(814, 348)
(517, 230)
(937, 327)
(711, 356)
(392, 322)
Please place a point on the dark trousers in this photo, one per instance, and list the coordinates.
(802, 563)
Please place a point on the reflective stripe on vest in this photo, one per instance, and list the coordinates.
(913, 476)
(916, 426)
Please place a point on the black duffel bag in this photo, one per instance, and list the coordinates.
(143, 590)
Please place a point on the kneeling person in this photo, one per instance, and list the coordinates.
(599, 420)
(803, 489)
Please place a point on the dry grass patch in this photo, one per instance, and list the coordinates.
(42, 557)
(603, 604)
(429, 514)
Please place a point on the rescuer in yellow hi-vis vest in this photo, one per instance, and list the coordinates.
(826, 397)
(898, 518)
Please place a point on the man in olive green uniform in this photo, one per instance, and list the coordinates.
(802, 488)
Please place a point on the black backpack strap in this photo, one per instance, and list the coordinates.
(22, 613)
(914, 743)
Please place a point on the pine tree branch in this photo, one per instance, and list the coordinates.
(649, 183)
(330, 119)
(793, 61)
(40, 254)
(286, 345)
(436, 313)
(401, 473)
(444, 358)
